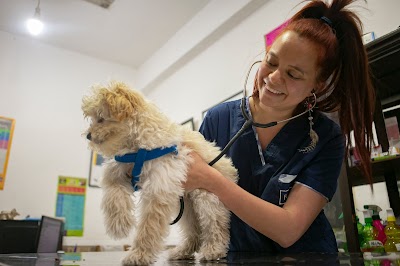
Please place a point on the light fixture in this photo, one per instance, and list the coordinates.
(35, 25)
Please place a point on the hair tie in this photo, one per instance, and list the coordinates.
(327, 21)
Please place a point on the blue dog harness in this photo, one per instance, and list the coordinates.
(140, 157)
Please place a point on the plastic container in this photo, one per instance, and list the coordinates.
(360, 229)
(379, 229)
(370, 244)
(392, 129)
(392, 231)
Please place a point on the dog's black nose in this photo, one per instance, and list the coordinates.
(89, 136)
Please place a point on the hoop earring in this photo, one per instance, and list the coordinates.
(313, 135)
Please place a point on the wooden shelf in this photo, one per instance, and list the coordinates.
(384, 61)
(379, 169)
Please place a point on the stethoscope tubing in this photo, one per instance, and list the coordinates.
(249, 121)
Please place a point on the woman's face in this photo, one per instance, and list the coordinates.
(288, 72)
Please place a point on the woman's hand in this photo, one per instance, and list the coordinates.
(199, 174)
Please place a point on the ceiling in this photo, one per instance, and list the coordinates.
(128, 32)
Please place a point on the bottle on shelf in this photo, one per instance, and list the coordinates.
(370, 244)
(360, 229)
(392, 231)
(379, 229)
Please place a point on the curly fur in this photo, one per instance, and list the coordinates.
(123, 121)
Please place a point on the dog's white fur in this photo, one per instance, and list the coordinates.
(122, 121)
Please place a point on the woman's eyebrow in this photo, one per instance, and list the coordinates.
(298, 69)
(271, 53)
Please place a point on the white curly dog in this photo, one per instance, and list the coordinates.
(124, 122)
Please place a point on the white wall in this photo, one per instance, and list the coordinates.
(219, 70)
(41, 87)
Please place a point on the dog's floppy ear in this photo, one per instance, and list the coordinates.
(122, 102)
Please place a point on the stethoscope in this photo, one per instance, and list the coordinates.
(249, 122)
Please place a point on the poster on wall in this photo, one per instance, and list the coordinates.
(189, 123)
(96, 170)
(71, 193)
(6, 134)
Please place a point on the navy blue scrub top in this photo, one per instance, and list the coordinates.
(284, 166)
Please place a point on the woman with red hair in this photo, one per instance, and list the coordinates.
(289, 172)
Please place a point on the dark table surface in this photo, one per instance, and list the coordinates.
(114, 258)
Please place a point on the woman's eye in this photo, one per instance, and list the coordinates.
(101, 120)
(271, 64)
(293, 76)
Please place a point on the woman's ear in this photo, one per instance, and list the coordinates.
(319, 87)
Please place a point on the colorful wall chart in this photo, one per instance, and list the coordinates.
(71, 195)
(6, 133)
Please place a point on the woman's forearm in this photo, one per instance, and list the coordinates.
(283, 225)
(274, 222)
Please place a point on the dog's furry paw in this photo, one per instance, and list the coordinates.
(138, 257)
(119, 227)
(179, 253)
(117, 207)
(206, 254)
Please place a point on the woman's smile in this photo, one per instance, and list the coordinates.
(267, 88)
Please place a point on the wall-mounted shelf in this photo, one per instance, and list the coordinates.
(379, 169)
(384, 62)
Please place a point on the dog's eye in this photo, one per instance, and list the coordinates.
(101, 120)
